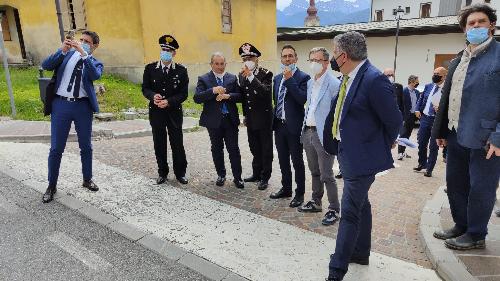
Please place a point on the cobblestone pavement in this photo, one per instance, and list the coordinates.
(397, 196)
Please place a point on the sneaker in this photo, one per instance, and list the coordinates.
(330, 217)
(401, 156)
(310, 207)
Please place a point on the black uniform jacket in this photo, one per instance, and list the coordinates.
(258, 99)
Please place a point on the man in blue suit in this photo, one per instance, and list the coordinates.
(467, 122)
(290, 95)
(361, 128)
(219, 92)
(426, 111)
(74, 101)
(410, 99)
(320, 92)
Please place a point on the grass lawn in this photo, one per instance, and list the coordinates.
(120, 94)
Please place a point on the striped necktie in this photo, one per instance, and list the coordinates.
(339, 105)
(224, 106)
(281, 102)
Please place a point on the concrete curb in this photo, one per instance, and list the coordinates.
(150, 241)
(447, 265)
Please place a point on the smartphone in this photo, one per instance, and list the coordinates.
(70, 35)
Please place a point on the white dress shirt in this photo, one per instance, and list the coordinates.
(68, 71)
(352, 76)
(316, 87)
(432, 99)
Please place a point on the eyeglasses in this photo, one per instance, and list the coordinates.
(85, 41)
(290, 56)
(315, 60)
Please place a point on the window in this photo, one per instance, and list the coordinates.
(5, 26)
(407, 10)
(73, 14)
(425, 10)
(379, 15)
(226, 16)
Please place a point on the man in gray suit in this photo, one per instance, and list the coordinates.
(320, 92)
(468, 123)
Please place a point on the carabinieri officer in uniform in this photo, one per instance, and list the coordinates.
(165, 85)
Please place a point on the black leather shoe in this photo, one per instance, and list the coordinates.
(448, 233)
(220, 181)
(296, 202)
(253, 178)
(419, 168)
(281, 194)
(183, 180)
(333, 278)
(338, 176)
(464, 242)
(263, 185)
(161, 180)
(90, 185)
(239, 183)
(49, 194)
(360, 260)
(428, 174)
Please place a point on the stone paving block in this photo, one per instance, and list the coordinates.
(204, 267)
(71, 202)
(127, 230)
(162, 247)
(97, 215)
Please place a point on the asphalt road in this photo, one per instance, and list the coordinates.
(52, 242)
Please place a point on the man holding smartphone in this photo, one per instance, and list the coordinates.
(75, 101)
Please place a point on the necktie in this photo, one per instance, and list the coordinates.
(76, 78)
(224, 106)
(281, 102)
(432, 112)
(165, 70)
(339, 105)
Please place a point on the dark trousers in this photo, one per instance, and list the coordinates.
(407, 129)
(288, 145)
(159, 128)
(354, 234)
(63, 114)
(424, 140)
(227, 133)
(261, 147)
(471, 181)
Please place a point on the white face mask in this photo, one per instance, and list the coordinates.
(250, 64)
(316, 67)
(391, 79)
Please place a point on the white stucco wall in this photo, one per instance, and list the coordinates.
(389, 5)
(415, 53)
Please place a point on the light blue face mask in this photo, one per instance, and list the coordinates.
(477, 35)
(292, 67)
(166, 56)
(86, 48)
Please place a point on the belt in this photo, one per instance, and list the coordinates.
(71, 99)
(311, 127)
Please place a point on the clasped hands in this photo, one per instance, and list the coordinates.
(221, 93)
(159, 101)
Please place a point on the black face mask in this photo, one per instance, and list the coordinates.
(416, 85)
(334, 65)
(436, 78)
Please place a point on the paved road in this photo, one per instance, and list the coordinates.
(51, 242)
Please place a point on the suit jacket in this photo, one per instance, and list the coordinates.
(295, 98)
(480, 107)
(407, 102)
(328, 91)
(211, 116)
(172, 86)
(92, 71)
(398, 93)
(422, 100)
(369, 125)
(257, 99)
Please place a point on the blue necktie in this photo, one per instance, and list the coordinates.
(76, 78)
(224, 106)
(432, 112)
(281, 102)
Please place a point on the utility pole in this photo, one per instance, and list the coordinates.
(59, 20)
(7, 73)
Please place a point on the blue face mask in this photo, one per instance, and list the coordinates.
(86, 48)
(166, 56)
(292, 67)
(477, 35)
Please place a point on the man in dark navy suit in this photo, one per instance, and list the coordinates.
(290, 96)
(361, 128)
(219, 92)
(410, 99)
(74, 101)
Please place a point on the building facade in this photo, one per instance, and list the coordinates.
(129, 30)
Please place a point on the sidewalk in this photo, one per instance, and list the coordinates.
(234, 240)
(483, 265)
(39, 131)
